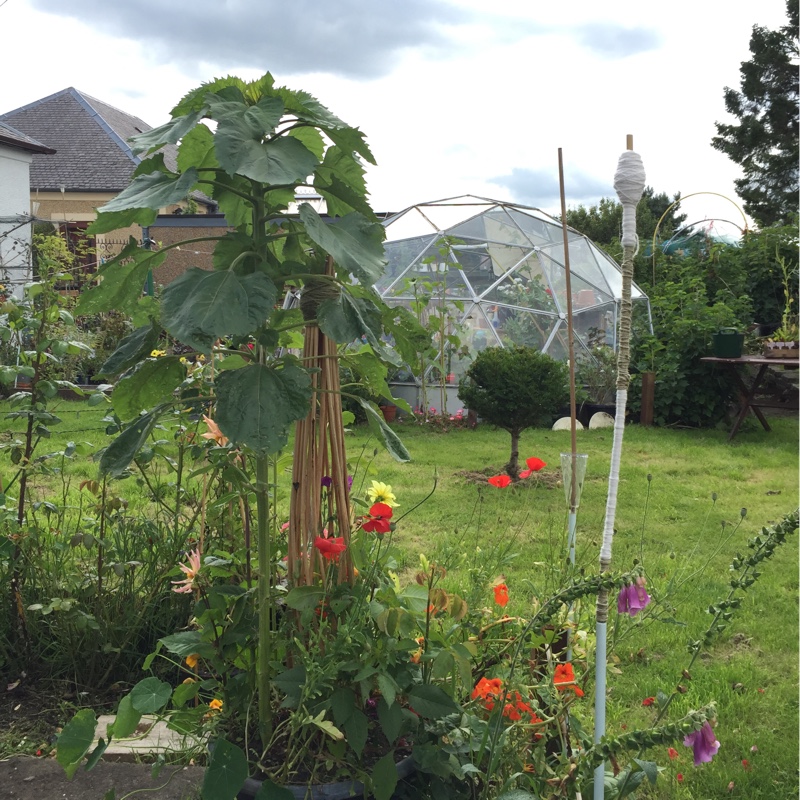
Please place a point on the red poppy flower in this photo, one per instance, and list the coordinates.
(673, 753)
(564, 679)
(378, 519)
(535, 464)
(648, 701)
(501, 594)
(500, 481)
(331, 548)
(679, 777)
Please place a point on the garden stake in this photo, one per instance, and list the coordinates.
(572, 497)
(629, 186)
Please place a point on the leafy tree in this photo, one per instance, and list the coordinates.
(514, 388)
(603, 223)
(764, 142)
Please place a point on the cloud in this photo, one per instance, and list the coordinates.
(539, 187)
(616, 41)
(350, 38)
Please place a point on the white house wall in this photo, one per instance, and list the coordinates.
(15, 225)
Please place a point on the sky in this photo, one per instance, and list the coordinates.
(454, 96)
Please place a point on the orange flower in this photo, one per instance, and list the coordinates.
(191, 660)
(486, 689)
(501, 595)
(564, 679)
(215, 704)
(500, 481)
(214, 432)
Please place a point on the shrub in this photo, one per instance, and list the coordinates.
(514, 388)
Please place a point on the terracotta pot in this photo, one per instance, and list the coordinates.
(389, 412)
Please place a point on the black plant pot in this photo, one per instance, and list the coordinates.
(340, 790)
(586, 411)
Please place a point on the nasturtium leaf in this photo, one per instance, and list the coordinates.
(431, 702)
(121, 281)
(169, 133)
(96, 754)
(150, 695)
(153, 382)
(126, 720)
(384, 777)
(131, 349)
(346, 318)
(200, 307)
(75, 740)
(390, 717)
(257, 404)
(184, 692)
(271, 791)
(154, 190)
(355, 243)
(226, 772)
(119, 454)
(356, 729)
(387, 437)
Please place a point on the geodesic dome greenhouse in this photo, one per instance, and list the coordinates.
(498, 270)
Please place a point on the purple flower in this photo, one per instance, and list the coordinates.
(704, 744)
(349, 481)
(633, 599)
(327, 481)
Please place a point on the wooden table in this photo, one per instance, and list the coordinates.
(747, 394)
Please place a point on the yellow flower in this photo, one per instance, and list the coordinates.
(157, 353)
(382, 493)
(191, 660)
(215, 704)
(190, 680)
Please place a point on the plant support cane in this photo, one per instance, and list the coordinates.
(629, 185)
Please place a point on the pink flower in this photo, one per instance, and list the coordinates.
(632, 599)
(190, 570)
(704, 744)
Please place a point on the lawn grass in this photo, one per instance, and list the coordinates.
(667, 519)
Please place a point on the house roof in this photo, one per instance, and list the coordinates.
(11, 137)
(90, 141)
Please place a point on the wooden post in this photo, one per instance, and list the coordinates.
(629, 142)
(648, 397)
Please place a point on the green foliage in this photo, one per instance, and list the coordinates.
(514, 388)
(764, 141)
(687, 392)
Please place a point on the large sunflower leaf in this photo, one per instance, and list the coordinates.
(355, 243)
(199, 307)
(131, 349)
(151, 383)
(257, 404)
(121, 281)
(153, 191)
(346, 318)
(169, 133)
(119, 454)
(387, 437)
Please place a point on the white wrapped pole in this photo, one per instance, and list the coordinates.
(629, 184)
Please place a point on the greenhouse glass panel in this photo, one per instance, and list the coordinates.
(505, 263)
